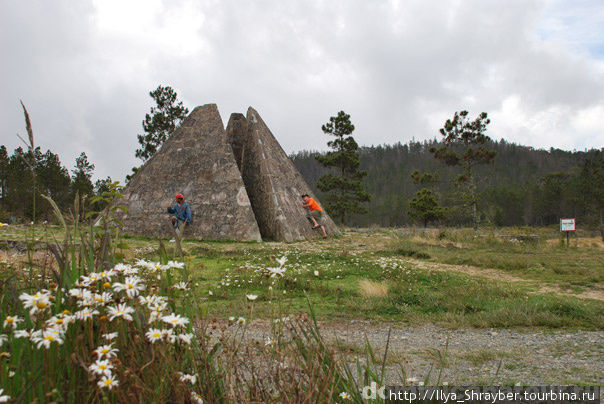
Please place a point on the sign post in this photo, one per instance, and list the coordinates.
(567, 225)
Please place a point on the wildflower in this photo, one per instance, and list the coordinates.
(154, 316)
(85, 314)
(241, 321)
(110, 336)
(154, 334)
(130, 271)
(282, 261)
(4, 397)
(169, 335)
(36, 302)
(132, 285)
(143, 264)
(196, 398)
(231, 319)
(101, 367)
(175, 264)
(411, 380)
(87, 280)
(210, 293)
(107, 274)
(102, 298)
(187, 378)
(276, 271)
(251, 297)
(12, 321)
(181, 286)
(23, 333)
(43, 338)
(106, 351)
(78, 293)
(269, 341)
(60, 321)
(316, 273)
(108, 381)
(344, 396)
(121, 310)
(186, 338)
(121, 267)
(3, 338)
(175, 319)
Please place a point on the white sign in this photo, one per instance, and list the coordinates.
(567, 224)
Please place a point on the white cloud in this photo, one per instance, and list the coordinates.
(400, 68)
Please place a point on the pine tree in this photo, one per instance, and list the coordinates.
(424, 206)
(463, 146)
(82, 176)
(345, 193)
(158, 125)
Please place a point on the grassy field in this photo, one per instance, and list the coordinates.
(453, 278)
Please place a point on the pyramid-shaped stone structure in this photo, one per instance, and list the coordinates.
(198, 162)
(273, 183)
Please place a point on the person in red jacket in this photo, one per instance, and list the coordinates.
(315, 213)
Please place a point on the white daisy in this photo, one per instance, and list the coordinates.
(106, 351)
(251, 297)
(12, 321)
(37, 302)
(154, 334)
(43, 338)
(108, 381)
(132, 286)
(187, 378)
(101, 367)
(5, 397)
(175, 320)
(181, 286)
(110, 336)
(121, 310)
(175, 264)
(276, 271)
(85, 314)
(196, 398)
(186, 338)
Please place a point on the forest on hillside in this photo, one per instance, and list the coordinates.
(522, 186)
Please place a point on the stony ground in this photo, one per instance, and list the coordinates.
(470, 356)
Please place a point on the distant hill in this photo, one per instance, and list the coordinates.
(523, 186)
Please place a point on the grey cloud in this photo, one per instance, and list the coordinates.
(399, 68)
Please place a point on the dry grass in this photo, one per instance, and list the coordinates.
(373, 289)
(580, 242)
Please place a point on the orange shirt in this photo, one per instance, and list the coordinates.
(313, 205)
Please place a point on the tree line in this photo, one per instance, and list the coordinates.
(520, 186)
(26, 173)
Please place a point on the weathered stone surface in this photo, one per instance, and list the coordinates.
(273, 183)
(197, 161)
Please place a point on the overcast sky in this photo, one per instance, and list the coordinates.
(399, 68)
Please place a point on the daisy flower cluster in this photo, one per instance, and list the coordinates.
(114, 301)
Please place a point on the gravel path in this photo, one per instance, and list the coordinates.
(472, 355)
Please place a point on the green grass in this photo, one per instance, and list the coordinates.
(230, 270)
(550, 262)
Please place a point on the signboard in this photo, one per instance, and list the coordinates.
(567, 224)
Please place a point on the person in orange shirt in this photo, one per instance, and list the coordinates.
(315, 213)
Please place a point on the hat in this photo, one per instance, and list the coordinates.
(180, 196)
